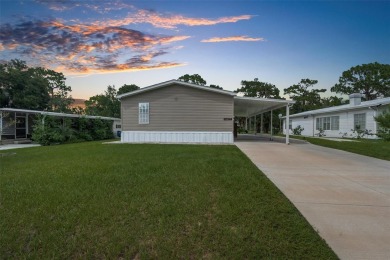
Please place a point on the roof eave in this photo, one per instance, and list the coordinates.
(55, 113)
(171, 82)
(340, 108)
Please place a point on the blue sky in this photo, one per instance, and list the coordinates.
(101, 43)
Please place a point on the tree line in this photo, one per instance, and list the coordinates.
(38, 88)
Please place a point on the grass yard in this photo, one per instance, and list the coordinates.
(373, 148)
(93, 200)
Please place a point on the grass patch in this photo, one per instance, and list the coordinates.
(374, 148)
(93, 200)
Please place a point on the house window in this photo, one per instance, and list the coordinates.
(334, 123)
(118, 126)
(328, 123)
(359, 121)
(143, 113)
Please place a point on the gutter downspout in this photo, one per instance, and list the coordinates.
(313, 124)
(287, 124)
(375, 115)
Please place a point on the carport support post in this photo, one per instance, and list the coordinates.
(287, 123)
(272, 132)
(255, 125)
(43, 122)
(27, 124)
(261, 123)
(1, 124)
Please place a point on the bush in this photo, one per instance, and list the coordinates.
(49, 130)
(298, 130)
(242, 130)
(360, 133)
(383, 121)
(54, 130)
(321, 133)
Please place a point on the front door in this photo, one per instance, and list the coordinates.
(20, 126)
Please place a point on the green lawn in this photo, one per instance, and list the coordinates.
(373, 148)
(93, 200)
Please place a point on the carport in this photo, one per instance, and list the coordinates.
(250, 107)
(17, 124)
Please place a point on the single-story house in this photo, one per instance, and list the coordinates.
(340, 121)
(181, 112)
(16, 124)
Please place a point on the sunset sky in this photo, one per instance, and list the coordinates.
(101, 43)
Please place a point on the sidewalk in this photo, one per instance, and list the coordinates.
(344, 196)
(16, 146)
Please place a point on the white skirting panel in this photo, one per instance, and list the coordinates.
(176, 137)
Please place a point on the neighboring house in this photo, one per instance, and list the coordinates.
(180, 112)
(341, 121)
(18, 123)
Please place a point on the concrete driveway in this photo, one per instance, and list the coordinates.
(344, 196)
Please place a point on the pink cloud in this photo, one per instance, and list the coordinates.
(170, 21)
(234, 39)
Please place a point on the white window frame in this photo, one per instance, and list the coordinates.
(328, 123)
(359, 119)
(143, 113)
(335, 123)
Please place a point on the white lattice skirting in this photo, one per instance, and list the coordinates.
(177, 137)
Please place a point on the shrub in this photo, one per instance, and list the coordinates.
(54, 130)
(298, 130)
(383, 121)
(360, 133)
(49, 130)
(320, 133)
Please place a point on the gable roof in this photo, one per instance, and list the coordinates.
(176, 82)
(365, 104)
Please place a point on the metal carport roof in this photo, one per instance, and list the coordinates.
(251, 106)
(54, 113)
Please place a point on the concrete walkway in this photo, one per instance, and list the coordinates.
(16, 146)
(344, 196)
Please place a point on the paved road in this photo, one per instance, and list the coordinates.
(345, 196)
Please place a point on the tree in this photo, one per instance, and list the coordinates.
(127, 88)
(332, 101)
(255, 88)
(33, 87)
(304, 98)
(21, 88)
(60, 100)
(215, 86)
(195, 79)
(372, 80)
(107, 104)
(104, 104)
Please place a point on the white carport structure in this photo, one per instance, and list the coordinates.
(250, 107)
(18, 123)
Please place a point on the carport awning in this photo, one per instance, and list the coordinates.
(249, 106)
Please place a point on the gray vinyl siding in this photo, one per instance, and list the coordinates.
(179, 108)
